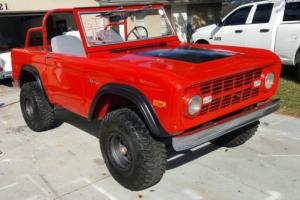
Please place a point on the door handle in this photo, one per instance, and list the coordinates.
(238, 31)
(264, 30)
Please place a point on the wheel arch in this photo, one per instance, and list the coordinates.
(29, 73)
(137, 99)
(202, 41)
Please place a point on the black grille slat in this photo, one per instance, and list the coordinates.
(241, 86)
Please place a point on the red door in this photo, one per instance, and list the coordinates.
(66, 81)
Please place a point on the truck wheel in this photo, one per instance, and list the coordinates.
(298, 71)
(237, 137)
(135, 159)
(37, 111)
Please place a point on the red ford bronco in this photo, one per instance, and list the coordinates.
(126, 67)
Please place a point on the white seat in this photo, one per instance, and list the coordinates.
(68, 44)
(73, 33)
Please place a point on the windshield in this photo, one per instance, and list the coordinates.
(124, 25)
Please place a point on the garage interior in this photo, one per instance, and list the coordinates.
(14, 28)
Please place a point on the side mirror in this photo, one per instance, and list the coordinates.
(219, 23)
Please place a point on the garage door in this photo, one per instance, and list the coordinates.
(14, 27)
(12, 34)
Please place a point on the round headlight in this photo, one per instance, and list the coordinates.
(194, 105)
(269, 81)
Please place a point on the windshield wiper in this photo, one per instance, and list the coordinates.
(145, 8)
(109, 12)
(121, 7)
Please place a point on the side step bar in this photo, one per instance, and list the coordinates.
(205, 134)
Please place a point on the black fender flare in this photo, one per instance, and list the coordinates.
(32, 70)
(140, 101)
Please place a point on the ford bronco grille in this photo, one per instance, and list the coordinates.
(230, 90)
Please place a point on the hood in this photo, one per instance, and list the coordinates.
(178, 60)
(187, 63)
(206, 28)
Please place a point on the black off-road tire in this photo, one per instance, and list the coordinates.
(237, 137)
(145, 160)
(297, 65)
(298, 71)
(202, 42)
(37, 112)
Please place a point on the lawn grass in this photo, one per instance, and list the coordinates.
(289, 92)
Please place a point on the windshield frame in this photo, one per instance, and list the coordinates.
(124, 44)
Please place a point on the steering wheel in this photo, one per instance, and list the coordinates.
(135, 31)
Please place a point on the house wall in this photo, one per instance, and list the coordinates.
(179, 19)
(42, 5)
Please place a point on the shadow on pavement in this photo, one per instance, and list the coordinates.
(177, 159)
(6, 82)
(91, 127)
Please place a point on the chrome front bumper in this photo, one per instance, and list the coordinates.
(209, 132)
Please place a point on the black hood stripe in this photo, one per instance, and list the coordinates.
(187, 54)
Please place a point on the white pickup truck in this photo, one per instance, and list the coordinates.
(5, 65)
(272, 25)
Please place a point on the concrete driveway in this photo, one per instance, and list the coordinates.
(65, 163)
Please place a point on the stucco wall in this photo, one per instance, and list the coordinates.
(43, 5)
